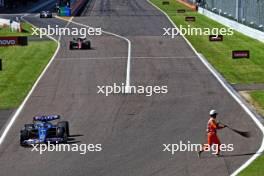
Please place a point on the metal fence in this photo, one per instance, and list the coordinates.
(248, 12)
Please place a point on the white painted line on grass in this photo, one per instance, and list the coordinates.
(232, 92)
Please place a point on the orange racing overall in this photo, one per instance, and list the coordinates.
(212, 137)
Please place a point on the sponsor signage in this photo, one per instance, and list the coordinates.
(190, 18)
(181, 11)
(6, 41)
(165, 2)
(216, 38)
(9, 41)
(240, 54)
(23, 41)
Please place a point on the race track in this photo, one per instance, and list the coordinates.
(132, 128)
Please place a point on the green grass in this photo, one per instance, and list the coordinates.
(26, 31)
(256, 168)
(21, 67)
(258, 96)
(219, 54)
(258, 100)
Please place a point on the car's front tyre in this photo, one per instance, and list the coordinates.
(65, 125)
(24, 135)
(61, 133)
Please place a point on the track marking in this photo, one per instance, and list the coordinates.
(20, 108)
(165, 57)
(90, 58)
(124, 57)
(127, 86)
(231, 91)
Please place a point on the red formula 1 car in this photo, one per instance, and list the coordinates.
(80, 44)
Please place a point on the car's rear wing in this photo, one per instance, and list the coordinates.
(79, 38)
(46, 118)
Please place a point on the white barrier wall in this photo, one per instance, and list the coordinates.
(15, 25)
(251, 32)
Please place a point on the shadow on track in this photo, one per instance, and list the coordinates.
(231, 155)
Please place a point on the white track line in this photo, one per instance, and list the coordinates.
(231, 91)
(124, 57)
(20, 108)
(18, 111)
(127, 86)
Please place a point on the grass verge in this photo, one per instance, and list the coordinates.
(219, 54)
(255, 169)
(26, 31)
(21, 67)
(256, 98)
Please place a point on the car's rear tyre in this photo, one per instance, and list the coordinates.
(65, 125)
(60, 132)
(87, 45)
(71, 46)
(24, 135)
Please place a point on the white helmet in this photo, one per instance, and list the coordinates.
(213, 112)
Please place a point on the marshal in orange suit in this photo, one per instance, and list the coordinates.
(212, 138)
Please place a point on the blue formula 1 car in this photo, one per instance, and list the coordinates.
(43, 131)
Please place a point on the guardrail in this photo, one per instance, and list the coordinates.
(251, 32)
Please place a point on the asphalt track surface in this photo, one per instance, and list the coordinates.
(131, 128)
